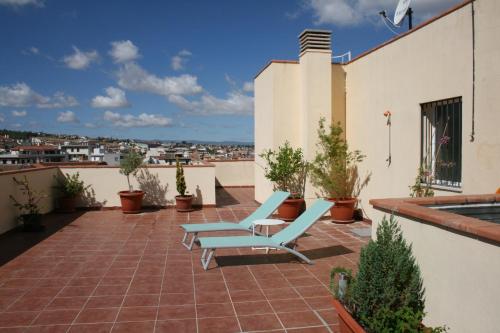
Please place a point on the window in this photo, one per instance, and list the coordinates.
(441, 142)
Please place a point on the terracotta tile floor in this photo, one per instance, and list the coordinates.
(107, 271)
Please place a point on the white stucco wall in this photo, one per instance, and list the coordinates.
(107, 182)
(432, 63)
(41, 180)
(234, 173)
(277, 116)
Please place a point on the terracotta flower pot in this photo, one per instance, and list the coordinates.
(131, 201)
(291, 209)
(343, 210)
(347, 323)
(184, 203)
(67, 204)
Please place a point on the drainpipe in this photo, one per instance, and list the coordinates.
(472, 134)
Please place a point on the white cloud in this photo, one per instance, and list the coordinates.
(124, 51)
(16, 113)
(16, 125)
(236, 103)
(357, 12)
(21, 3)
(133, 77)
(179, 61)
(115, 99)
(248, 86)
(58, 101)
(2, 118)
(80, 59)
(90, 125)
(142, 120)
(67, 117)
(21, 95)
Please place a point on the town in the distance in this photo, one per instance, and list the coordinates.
(23, 149)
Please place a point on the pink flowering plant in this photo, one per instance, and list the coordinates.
(426, 174)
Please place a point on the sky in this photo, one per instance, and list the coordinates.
(167, 70)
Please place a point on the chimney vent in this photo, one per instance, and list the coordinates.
(315, 40)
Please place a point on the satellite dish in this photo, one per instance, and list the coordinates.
(401, 10)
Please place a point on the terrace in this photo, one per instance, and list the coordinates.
(104, 271)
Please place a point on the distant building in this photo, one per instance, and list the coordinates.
(100, 154)
(32, 154)
(77, 152)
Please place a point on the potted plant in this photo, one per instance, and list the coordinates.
(287, 169)
(334, 171)
(131, 200)
(71, 186)
(30, 212)
(183, 201)
(387, 294)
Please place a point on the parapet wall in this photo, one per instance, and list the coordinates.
(157, 181)
(40, 179)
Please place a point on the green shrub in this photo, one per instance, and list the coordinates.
(287, 169)
(334, 170)
(130, 165)
(180, 181)
(387, 294)
(71, 185)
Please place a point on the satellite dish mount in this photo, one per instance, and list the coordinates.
(403, 9)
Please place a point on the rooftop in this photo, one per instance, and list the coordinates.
(106, 271)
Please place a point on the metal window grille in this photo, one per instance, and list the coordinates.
(441, 142)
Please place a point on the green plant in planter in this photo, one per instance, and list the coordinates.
(130, 165)
(180, 181)
(387, 294)
(334, 170)
(287, 169)
(29, 209)
(71, 186)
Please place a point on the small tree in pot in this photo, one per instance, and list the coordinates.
(387, 294)
(71, 186)
(287, 169)
(183, 201)
(335, 172)
(131, 200)
(30, 212)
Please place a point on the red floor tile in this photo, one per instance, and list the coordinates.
(177, 326)
(261, 322)
(176, 312)
(132, 327)
(141, 313)
(219, 325)
(108, 266)
(51, 317)
(97, 315)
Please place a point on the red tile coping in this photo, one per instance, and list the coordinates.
(390, 41)
(277, 62)
(415, 208)
(238, 160)
(35, 168)
(418, 27)
(70, 166)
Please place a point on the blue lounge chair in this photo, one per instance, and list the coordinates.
(282, 240)
(264, 211)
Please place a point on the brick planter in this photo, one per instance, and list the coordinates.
(347, 323)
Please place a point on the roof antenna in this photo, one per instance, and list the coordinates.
(403, 9)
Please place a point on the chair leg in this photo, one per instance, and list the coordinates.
(189, 245)
(205, 261)
(298, 254)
